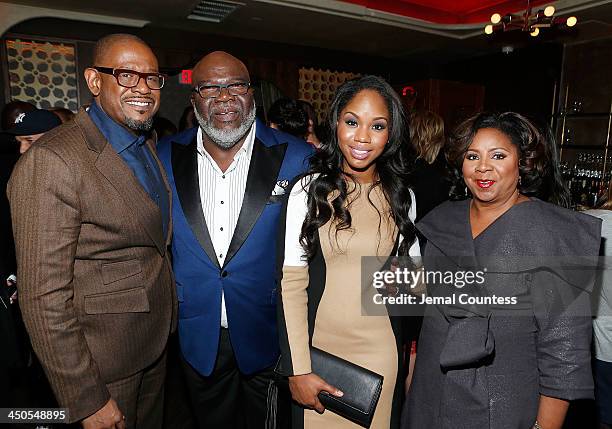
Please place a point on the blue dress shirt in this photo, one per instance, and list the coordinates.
(133, 150)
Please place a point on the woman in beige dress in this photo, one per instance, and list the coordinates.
(354, 203)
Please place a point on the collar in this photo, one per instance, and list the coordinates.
(448, 228)
(245, 150)
(117, 135)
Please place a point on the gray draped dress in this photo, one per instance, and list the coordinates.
(485, 365)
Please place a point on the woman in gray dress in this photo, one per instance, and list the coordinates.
(515, 355)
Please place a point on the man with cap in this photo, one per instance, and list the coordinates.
(91, 216)
(30, 126)
(13, 339)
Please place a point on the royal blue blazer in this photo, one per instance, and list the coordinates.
(248, 276)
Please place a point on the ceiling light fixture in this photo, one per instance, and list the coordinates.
(528, 22)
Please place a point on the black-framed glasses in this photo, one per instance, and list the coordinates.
(130, 78)
(213, 91)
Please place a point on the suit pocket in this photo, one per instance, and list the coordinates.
(115, 271)
(124, 301)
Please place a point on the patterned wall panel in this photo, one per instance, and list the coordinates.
(319, 86)
(42, 73)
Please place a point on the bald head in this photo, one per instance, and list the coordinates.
(219, 62)
(104, 46)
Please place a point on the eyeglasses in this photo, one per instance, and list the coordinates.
(130, 78)
(213, 91)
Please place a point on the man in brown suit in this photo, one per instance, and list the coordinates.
(91, 216)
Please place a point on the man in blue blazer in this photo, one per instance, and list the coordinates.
(229, 177)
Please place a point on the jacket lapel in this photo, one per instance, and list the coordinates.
(185, 169)
(448, 229)
(112, 167)
(266, 162)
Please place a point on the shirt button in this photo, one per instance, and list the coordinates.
(223, 177)
(224, 274)
(221, 229)
(222, 202)
(221, 255)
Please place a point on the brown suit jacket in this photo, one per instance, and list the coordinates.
(94, 277)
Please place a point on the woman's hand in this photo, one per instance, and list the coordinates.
(551, 412)
(305, 390)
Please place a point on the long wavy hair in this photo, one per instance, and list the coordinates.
(329, 177)
(538, 158)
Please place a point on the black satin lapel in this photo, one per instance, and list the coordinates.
(117, 172)
(185, 170)
(263, 174)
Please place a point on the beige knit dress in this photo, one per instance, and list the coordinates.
(340, 327)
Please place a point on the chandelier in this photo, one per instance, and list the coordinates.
(528, 22)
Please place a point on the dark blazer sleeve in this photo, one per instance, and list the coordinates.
(563, 338)
(562, 307)
(46, 214)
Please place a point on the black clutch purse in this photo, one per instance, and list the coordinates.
(361, 387)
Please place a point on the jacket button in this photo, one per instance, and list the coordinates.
(224, 274)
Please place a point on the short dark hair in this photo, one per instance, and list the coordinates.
(102, 45)
(310, 111)
(538, 159)
(289, 116)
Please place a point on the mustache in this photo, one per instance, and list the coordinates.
(226, 109)
(138, 98)
(222, 108)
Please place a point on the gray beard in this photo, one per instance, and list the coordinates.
(226, 139)
(136, 125)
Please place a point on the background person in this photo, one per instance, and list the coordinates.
(490, 365)
(313, 136)
(16, 348)
(30, 126)
(26, 381)
(354, 203)
(429, 178)
(64, 114)
(8, 157)
(287, 115)
(602, 323)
